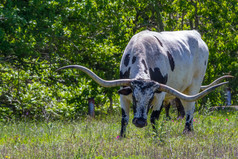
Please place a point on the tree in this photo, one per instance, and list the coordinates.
(38, 36)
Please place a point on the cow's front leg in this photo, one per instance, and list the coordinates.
(189, 108)
(124, 123)
(125, 105)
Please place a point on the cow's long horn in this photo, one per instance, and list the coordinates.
(104, 83)
(215, 82)
(189, 98)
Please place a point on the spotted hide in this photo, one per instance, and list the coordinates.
(157, 67)
(177, 59)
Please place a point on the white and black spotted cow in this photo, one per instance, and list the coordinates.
(158, 67)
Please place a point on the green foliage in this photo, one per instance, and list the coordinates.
(43, 94)
(94, 33)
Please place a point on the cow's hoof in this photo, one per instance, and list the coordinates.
(121, 136)
(180, 117)
(187, 131)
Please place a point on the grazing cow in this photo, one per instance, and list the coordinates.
(157, 67)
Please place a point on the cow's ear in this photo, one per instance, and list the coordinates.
(125, 91)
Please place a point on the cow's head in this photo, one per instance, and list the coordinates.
(142, 92)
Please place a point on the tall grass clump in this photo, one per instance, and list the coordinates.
(215, 136)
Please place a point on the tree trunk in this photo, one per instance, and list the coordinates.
(110, 109)
(91, 107)
(158, 10)
(196, 15)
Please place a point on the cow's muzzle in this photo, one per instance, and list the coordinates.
(139, 122)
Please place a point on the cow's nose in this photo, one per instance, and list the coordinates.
(139, 122)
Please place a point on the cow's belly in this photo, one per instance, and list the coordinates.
(169, 97)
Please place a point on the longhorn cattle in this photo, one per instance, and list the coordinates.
(157, 67)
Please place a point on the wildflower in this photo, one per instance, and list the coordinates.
(117, 137)
(227, 120)
(193, 120)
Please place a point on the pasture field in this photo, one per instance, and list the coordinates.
(215, 136)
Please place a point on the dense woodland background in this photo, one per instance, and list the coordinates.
(39, 36)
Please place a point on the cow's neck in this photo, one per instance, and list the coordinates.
(139, 73)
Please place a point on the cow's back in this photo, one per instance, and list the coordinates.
(173, 58)
(190, 54)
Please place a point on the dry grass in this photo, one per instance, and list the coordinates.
(215, 136)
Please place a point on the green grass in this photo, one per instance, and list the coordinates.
(215, 136)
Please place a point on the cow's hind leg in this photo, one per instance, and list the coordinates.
(167, 107)
(189, 108)
(157, 107)
(180, 109)
(125, 105)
